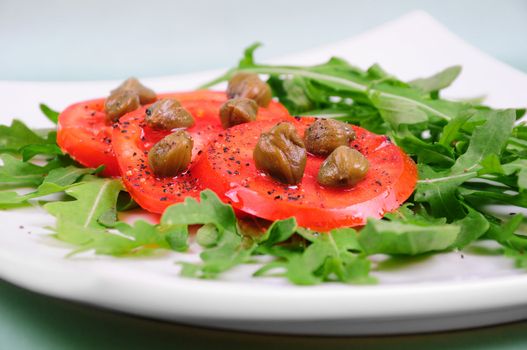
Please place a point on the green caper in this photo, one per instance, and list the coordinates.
(249, 85)
(281, 153)
(145, 94)
(344, 167)
(171, 156)
(119, 103)
(325, 135)
(167, 114)
(238, 111)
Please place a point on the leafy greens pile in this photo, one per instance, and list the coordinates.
(469, 156)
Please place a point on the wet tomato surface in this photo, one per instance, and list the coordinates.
(132, 140)
(228, 168)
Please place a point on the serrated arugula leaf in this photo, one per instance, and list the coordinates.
(57, 180)
(210, 210)
(225, 247)
(19, 139)
(94, 198)
(279, 231)
(84, 222)
(397, 102)
(17, 173)
(439, 188)
(330, 257)
(51, 114)
(18, 135)
(431, 153)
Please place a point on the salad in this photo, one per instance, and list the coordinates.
(309, 171)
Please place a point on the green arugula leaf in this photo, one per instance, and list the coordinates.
(395, 237)
(438, 81)
(17, 173)
(210, 210)
(439, 188)
(57, 180)
(52, 115)
(18, 135)
(30, 151)
(472, 227)
(84, 221)
(397, 102)
(330, 257)
(94, 198)
(225, 246)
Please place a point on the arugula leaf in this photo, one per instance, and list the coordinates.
(397, 102)
(84, 222)
(394, 237)
(473, 226)
(438, 81)
(52, 115)
(330, 257)
(30, 151)
(225, 246)
(57, 180)
(17, 173)
(93, 199)
(439, 188)
(18, 135)
(210, 210)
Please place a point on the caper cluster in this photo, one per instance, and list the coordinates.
(282, 154)
(170, 156)
(246, 92)
(127, 97)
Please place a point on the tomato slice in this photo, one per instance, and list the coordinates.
(227, 168)
(85, 135)
(133, 139)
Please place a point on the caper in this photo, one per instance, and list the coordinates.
(167, 114)
(238, 111)
(249, 86)
(171, 156)
(325, 135)
(344, 167)
(119, 103)
(281, 153)
(146, 95)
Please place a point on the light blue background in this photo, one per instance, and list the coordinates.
(71, 40)
(102, 39)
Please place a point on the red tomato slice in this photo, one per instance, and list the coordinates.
(227, 168)
(85, 135)
(133, 139)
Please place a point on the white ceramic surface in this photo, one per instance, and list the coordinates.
(446, 291)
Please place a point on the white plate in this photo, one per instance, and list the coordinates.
(447, 291)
